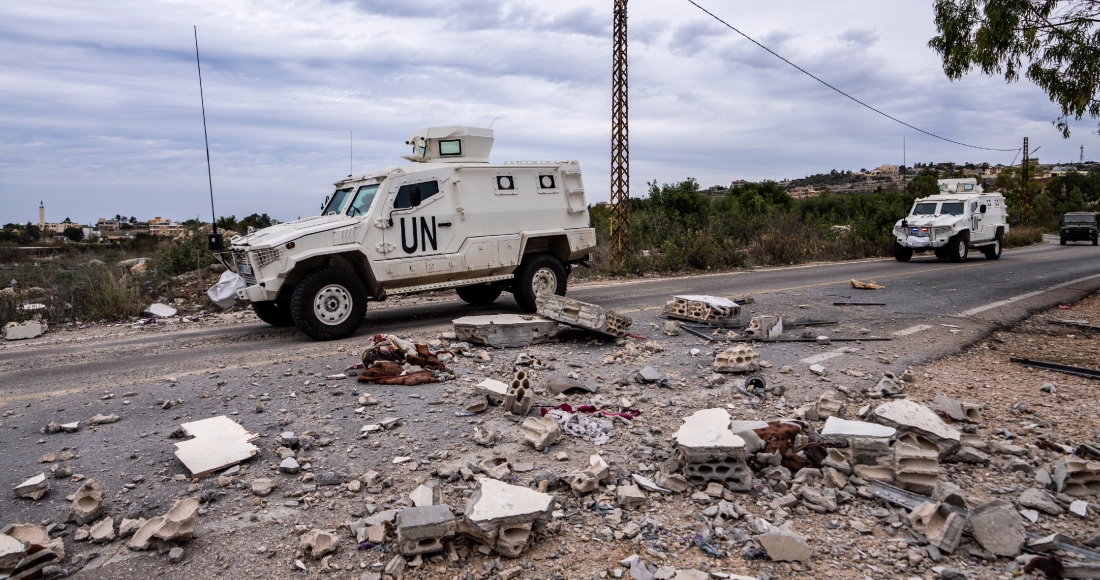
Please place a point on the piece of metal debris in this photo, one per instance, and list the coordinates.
(1068, 369)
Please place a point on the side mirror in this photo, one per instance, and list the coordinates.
(982, 209)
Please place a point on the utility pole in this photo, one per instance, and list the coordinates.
(620, 142)
(1025, 177)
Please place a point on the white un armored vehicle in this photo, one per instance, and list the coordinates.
(960, 217)
(449, 219)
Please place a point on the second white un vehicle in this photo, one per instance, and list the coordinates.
(448, 219)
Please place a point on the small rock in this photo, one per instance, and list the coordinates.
(175, 555)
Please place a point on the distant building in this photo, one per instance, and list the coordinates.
(886, 169)
(106, 225)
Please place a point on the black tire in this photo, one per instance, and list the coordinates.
(993, 252)
(941, 253)
(333, 293)
(1062, 240)
(957, 248)
(1095, 241)
(901, 253)
(479, 295)
(536, 274)
(274, 312)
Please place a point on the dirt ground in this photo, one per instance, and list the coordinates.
(240, 533)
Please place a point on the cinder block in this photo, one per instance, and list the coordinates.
(421, 530)
(583, 315)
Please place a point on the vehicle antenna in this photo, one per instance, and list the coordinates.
(215, 238)
(351, 153)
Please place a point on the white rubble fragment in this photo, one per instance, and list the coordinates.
(24, 330)
(845, 428)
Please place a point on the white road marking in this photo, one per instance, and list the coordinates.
(823, 356)
(913, 330)
(1008, 301)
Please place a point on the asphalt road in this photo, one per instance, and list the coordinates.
(932, 309)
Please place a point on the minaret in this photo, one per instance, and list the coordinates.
(41, 216)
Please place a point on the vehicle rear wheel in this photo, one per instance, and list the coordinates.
(479, 295)
(957, 248)
(274, 312)
(329, 303)
(1062, 239)
(901, 253)
(538, 274)
(993, 252)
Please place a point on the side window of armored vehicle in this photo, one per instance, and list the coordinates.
(925, 208)
(952, 208)
(973, 207)
(450, 147)
(363, 198)
(336, 203)
(968, 187)
(413, 194)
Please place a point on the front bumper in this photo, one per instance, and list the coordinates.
(921, 243)
(1079, 234)
(249, 264)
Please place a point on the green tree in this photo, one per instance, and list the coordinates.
(1054, 43)
(226, 223)
(73, 233)
(924, 184)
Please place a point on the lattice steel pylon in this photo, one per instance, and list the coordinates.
(620, 142)
(1025, 182)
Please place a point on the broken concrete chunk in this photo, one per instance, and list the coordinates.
(519, 396)
(160, 310)
(582, 315)
(318, 543)
(34, 488)
(424, 496)
(87, 503)
(956, 410)
(783, 545)
(818, 370)
(143, 538)
(421, 530)
(630, 497)
(907, 415)
(540, 432)
(24, 330)
(940, 525)
(11, 552)
(1079, 508)
(845, 428)
(493, 389)
(564, 385)
(476, 404)
(582, 482)
(103, 531)
(829, 404)
(290, 465)
(916, 463)
(128, 527)
(505, 330)
(737, 359)
(647, 375)
(1040, 500)
(997, 527)
(1077, 477)
(702, 308)
(219, 442)
(950, 494)
(179, 522)
(711, 451)
(263, 486)
(764, 327)
(101, 419)
(708, 430)
(501, 515)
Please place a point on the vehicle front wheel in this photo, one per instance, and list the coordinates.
(901, 253)
(538, 274)
(1062, 240)
(274, 312)
(479, 295)
(957, 249)
(993, 252)
(329, 303)
(1095, 241)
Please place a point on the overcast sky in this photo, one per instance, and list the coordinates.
(100, 103)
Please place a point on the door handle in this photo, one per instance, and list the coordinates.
(444, 224)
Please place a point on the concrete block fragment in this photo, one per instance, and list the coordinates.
(34, 488)
(87, 503)
(128, 527)
(836, 426)
(11, 552)
(701, 308)
(492, 388)
(916, 463)
(630, 497)
(783, 545)
(737, 359)
(1077, 477)
(907, 415)
(939, 523)
(956, 410)
(421, 530)
(520, 396)
(540, 432)
(318, 543)
(764, 327)
(179, 522)
(512, 539)
(1040, 500)
(583, 315)
(497, 509)
(829, 404)
(997, 527)
(24, 330)
(424, 496)
(950, 494)
(505, 330)
(143, 537)
(103, 531)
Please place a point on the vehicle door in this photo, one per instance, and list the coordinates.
(977, 227)
(419, 216)
(361, 206)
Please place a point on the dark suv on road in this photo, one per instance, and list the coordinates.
(1079, 226)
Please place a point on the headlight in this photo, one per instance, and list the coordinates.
(942, 229)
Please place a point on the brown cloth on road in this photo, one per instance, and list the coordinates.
(385, 358)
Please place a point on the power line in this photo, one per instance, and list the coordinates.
(809, 74)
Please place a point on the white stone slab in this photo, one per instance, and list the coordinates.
(906, 414)
(708, 428)
(846, 428)
(219, 442)
(500, 500)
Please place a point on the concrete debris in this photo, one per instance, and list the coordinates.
(835, 426)
(493, 389)
(710, 309)
(540, 432)
(819, 370)
(916, 463)
(24, 330)
(290, 465)
(950, 494)
(178, 524)
(520, 396)
(11, 552)
(737, 359)
(425, 496)
(940, 525)
(128, 527)
(475, 404)
(396, 567)
(87, 503)
(505, 330)
(263, 486)
(1040, 500)
(630, 497)
(711, 452)
(219, 442)
(967, 454)
(160, 310)
(421, 530)
(907, 415)
(563, 385)
(956, 410)
(674, 482)
(34, 488)
(103, 531)
(1075, 476)
(318, 543)
(764, 328)
(887, 386)
(501, 516)
(1079, 508)
(582, 315)
(784, 545)
(648, 375)
(100, 419)
(997, 527)
(828, 405)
